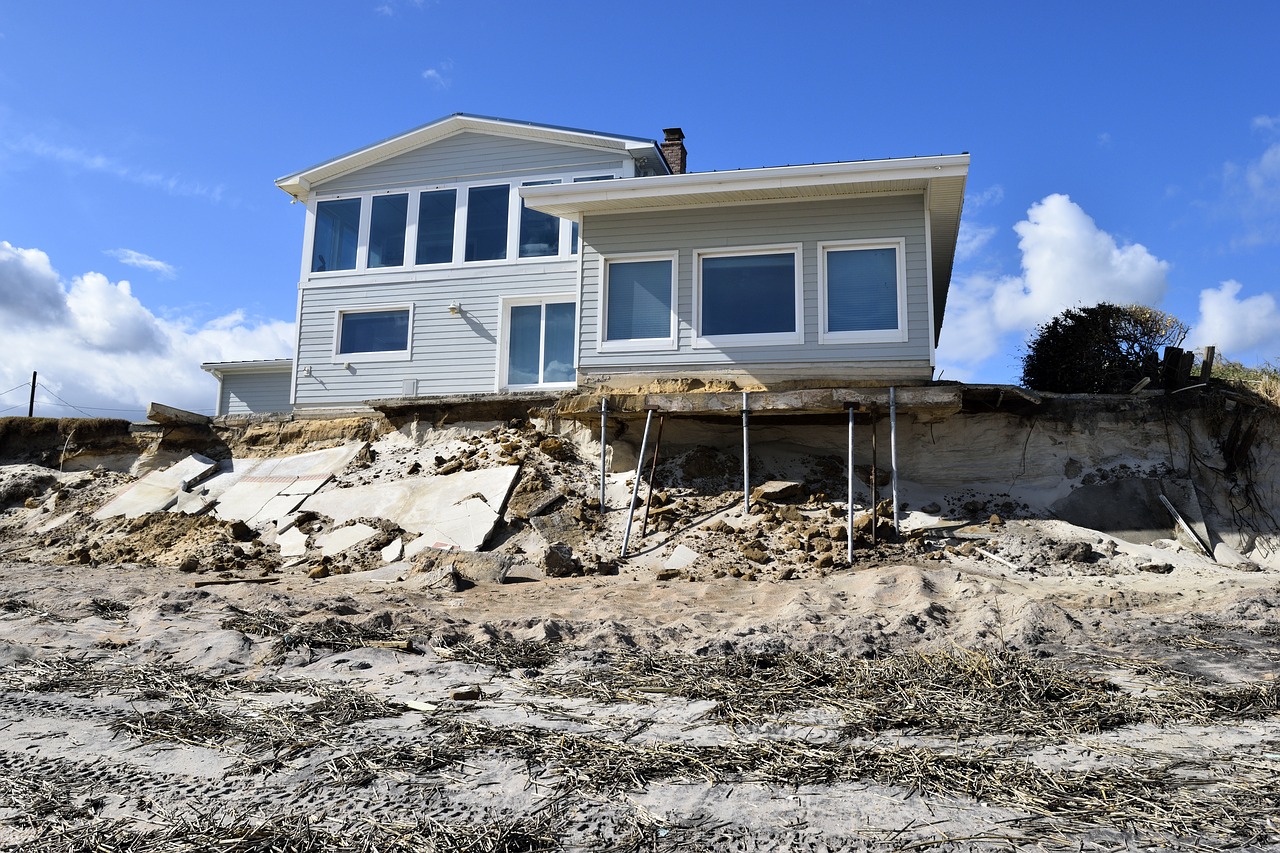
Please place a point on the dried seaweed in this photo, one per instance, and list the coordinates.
(291, 634)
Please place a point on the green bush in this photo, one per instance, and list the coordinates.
(1102, 349)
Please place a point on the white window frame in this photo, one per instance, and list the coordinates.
(514, 204)
(671, 342)
(701, 341)
(869, 336)
(505, 304)
(405, 354)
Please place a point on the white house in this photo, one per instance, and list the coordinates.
(476, 255)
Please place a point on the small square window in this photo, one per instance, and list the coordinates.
(638, 301)
(862, 293)
(373, 332)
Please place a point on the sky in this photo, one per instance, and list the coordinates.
(1126, 152)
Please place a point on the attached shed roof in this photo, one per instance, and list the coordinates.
(264, 365)
(299, 184)
(942, 178)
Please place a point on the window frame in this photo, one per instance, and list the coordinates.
(701, 341)
(405, 354)
(506, 303)
(568, 249)
(899, 334)
(671, 341)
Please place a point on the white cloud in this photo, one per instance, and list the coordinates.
(143, 262)
(1265, 123)
(1243, 329)
(1104, 139)
(1252, 193)
(972, 239)
(100, 349)
(1067, 261)
(174, 185)
(439, 75)
(993, 194)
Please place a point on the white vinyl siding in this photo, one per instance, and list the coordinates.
(807, 224)
(254, 392)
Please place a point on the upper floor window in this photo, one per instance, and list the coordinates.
(453, 225)
(749, 297)
(863, 292)
(337, 234)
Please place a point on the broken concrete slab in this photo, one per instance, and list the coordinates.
(292, 543)
(252, 498)
(477, 567)
(778, 491)
(159, 490)
(394, 551)
(458, 510)
(682, 558)
(339, 540)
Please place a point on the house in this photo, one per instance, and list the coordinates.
(476, 255)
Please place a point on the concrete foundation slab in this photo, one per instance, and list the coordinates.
(252, 497)
(458, 510)
(159, 490)
(343, 538)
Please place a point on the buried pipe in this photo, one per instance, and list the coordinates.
(746, 462)
(604, 446)
(653, 470)
(635, 484)
(849, 513)
(893, 457)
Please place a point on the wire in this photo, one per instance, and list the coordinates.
(11, 408)
(64, 402)
(15, 388)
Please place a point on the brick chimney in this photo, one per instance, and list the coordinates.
(673, 149)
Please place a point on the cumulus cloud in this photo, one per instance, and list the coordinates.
(972, 239)
(143, 262)
(1245, 329)
(1067, 261)
(1266, 123)
(99, 349)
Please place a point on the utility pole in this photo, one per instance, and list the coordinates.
(31, 404)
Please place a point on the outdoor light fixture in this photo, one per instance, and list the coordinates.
(455, 307)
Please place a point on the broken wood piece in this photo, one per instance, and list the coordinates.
(394, 645)
(224, 581)
(1001, 560)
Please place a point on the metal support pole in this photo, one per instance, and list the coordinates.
(746, 462)
(604, 446)
(653, 470)
(849, 514)
(31, 405)
(875, 490)
(893, 457)
(635, 484)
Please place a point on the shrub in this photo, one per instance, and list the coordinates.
(1102, 349)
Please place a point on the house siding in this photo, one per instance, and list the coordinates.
(451, 354)
(254, 392)
(468, 157)
(808, 224)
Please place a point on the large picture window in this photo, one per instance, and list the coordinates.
(747, 298)
(863, 292)
(638, 303)
(378, 332)
(539, 344)
(337, 235)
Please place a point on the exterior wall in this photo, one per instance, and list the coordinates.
(254, 392)
(472, 157)
(451, 354)
(806, 223)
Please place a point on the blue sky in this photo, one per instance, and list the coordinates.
(1120, 151)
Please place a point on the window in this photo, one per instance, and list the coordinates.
(539, 343)
(386, 230)
(639, 296)
(863, 292)
(337, 234)
(487, 213)
(748, 298)
(539, 232)
(364, 335)
(436, 213)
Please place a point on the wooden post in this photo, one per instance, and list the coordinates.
(1206, 366)
(1169, 369)
(31, 404)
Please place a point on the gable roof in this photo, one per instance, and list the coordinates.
(941, 178)
(299, 183)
